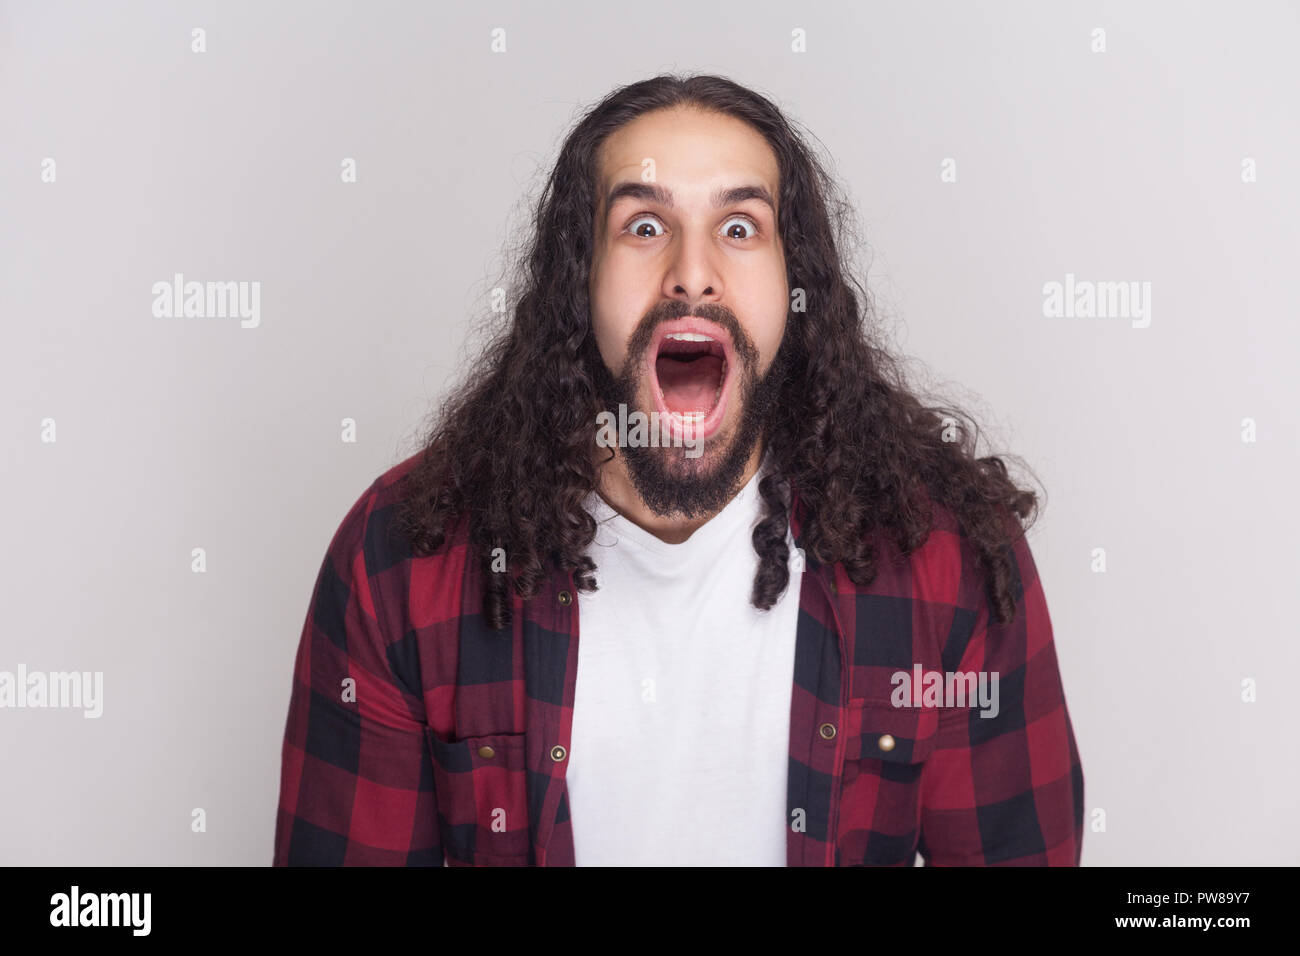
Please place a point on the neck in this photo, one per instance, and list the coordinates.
(615, 486)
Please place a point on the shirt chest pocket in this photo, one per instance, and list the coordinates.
(880, 804)
(897, 737)
(480, 784)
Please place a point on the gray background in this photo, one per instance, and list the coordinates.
(183, 433)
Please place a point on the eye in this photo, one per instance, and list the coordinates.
(745, 221)
(633, 228)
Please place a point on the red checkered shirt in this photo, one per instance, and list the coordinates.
(419, 736)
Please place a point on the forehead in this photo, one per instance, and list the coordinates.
(693, 151)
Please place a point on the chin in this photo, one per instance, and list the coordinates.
(672, 484)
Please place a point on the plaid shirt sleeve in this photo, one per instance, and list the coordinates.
(356, 783)
(1004, 790)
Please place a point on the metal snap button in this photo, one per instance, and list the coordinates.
(566, 598)
(487, 753)
(557, 753)
(827, 731)
(886, 742)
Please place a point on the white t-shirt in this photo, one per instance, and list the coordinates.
(681, 722)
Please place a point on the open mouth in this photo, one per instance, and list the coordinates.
(691, 361)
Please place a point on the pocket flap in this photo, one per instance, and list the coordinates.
(880, 731)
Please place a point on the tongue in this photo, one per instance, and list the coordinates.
(689, 386)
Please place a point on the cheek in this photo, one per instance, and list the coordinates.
(769, 310)
(603, 320)
(768, 330)
(616, 308)
(612, 332)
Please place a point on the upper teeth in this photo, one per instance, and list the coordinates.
(688, 337)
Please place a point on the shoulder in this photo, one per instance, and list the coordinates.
(372, 554)
(367, 531)
(372, 523)
(947, 619)
(947, 566)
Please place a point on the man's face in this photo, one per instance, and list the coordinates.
(689, 299)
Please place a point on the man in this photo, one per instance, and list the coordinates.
(812, 631)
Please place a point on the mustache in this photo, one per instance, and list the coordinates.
(644, 332)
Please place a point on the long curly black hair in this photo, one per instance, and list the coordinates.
(511, 450)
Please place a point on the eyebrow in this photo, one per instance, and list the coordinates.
(653, 192)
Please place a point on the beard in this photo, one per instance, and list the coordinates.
(668, 480)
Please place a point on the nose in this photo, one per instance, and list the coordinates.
(692, 273)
